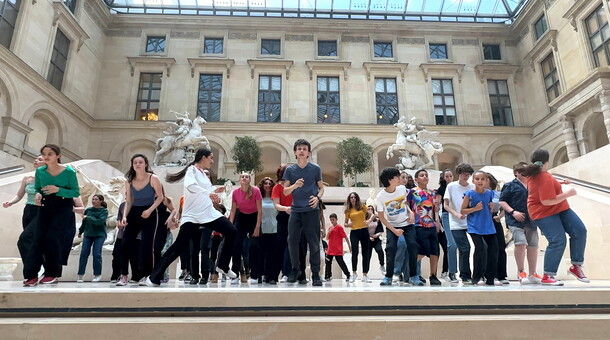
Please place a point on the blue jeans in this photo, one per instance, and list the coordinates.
(554, 229)
(461, 240)
(97, 243)
(451, 245)
(409, 255)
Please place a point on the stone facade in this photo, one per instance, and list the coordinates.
(93, 116)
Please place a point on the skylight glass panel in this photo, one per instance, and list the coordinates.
(415, 6)
(470, 6)
(432, 6)
(451, 6)
(239, 4)
(307, 5)
(487, 7)
(340, 5)
(222, 3)
(501, 10)
(396, 6)
(205, 3)
(323, 5)
(359, 5)
(378, 5)
(274, 4)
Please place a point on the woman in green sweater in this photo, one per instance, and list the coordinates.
(93, 228)
(56, 186)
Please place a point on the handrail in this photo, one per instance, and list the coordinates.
(589, 185)
(11, 169)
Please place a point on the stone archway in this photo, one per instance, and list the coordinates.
(595, 131)
(561, 156)
(327, 160)
(271, 159)
(506, 156)
(45, 129)
(449, 159)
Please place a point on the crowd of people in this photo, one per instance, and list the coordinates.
(273, 227)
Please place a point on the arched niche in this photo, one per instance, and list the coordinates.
(271, 158)
(45, 129)
(382, 161)
(449, 158)
(506, 156)
(141, 146)
(561, 156)
(327, 160)
(595, 131)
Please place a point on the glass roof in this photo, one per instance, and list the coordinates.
(419, 10)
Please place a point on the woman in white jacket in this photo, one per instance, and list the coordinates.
(198, 212)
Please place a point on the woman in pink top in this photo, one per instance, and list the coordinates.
(246, 215)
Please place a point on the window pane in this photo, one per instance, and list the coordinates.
(592, 24)
(379, 85)
(334, 84)
(327, 48)
(449, 100)
(383, 49)
(601, 55)
(436, 86)
(601, 14)
(155, 44)
(276, 83)
(491, 87)
(439, 111)
(263, 83)
(596, 40)
(503, 87)
(450, 111)
(391, 85)
(438, 100)
(322, 86)
(447, 86)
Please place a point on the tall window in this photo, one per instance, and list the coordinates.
(551, 80)
(71, 4)
(599, 36)
(59, 60)
(327, 48)
(8, 18)
(386, 100)
(382, 49)
(438, 51)
(491, 52)
(213, 46)
(501, 112)
(270, 46)
(208, 99)
(269, 98)
(149, 93)
(328, 100)
(155, 44)
(444, 102)
(540, 26)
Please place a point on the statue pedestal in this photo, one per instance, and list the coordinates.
(7, 267)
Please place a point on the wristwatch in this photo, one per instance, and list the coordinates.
(511, 213)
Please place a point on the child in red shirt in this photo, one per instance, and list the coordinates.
(335, 236)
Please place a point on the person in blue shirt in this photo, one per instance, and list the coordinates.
(477, 206)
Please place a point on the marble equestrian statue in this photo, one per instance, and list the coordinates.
(182, 139)
(113, 196)
(415, 145)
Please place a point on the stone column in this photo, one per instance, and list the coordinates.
(375, 172)
(569, 137)
(604, 103)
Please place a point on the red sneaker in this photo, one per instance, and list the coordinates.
(550, 281)
(576, 270)
(30, 282)
(47, 280)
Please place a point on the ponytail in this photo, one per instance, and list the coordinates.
(539, 157)
(203, 152)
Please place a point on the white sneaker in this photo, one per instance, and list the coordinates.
(142, 281)
(366, 279)
(96, 278)
(445, 276)
(284, 279)
(235, 281)
(230, 274)
(382, 269)
(252, 281)
(149, 283)
(80, 279)
(395, 278)
(123, 281)
(353, 278)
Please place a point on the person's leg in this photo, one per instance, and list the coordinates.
(328, 273)
(282, 258)
(116, 259)
(205, 242)
(311, 230)
(272, 271)
(434, 251)
(520, 243)
(229, 232)
(254, 257)
(98, 243)
(342, 265)
(501, 243)
(379, 249)
(479, 258)
(84, 254)
(149, 230)
(400, 252)
(531, 235)
(461, 240)
(363, 235)
(555, 234)
(54, 241)
(239, 243)
(492, 258)
(160, 237)
(411, 249)
(353, 239)
(185, 235)
(451, 245)
(195, 248)
(295, 229)
(134, 260)
(442, 241)
(577, 231)
(390, 252)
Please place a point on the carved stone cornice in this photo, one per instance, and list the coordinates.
(98, 12)
(164, 62)
(429, 68)
(17, 125)
(385, 66)
(328, 65)
(574, 11)
(224, 64)
(71, 27)
(485, 71)
(549, 38)
(284, 65)
(580, 89)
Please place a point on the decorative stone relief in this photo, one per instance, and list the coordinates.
(242, 36)
(124, 33)
(465, 42)
(347, 38)
(411, 41)
(292, 37)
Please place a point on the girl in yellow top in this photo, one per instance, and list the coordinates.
(355, 218)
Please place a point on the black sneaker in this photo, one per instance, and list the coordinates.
(316, 282)
(292, 277)
(183, 274)
(194, 281)
(203, 281)
(452, 278)
(421, 278)
(434, 281)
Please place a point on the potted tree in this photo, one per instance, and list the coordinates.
(354, 157)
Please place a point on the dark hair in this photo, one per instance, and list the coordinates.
(348, 203)
(203, 152)
(261, 185)
(101, 198)
(464, 168)
(220, 207)
(519, 167)
(493, 182)
(301, 142)
(55, 148)
(386, 175)
(480, 172)
(441, 180)
(420, 171)
(367, 211)
(131, 173)
(280, 171)
(539, 157)
(333, 215)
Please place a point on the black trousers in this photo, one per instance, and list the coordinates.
(54, 222)
(187, 231)
(442, 241)
(148, 227)
(360, 236)
(215, 247)
(29, 221)
(201, 243)
(245, 224)
(391, 248)
(117, 254)
(282, 243)
(308, 225)
(501, 271)
(266, 256)
(376, 245)
(328, 270)
(485, 257)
